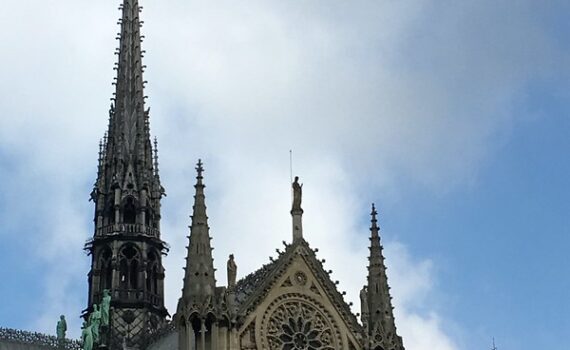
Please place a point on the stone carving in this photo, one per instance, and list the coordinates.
(297, 194)
(105, 306)
(61, 328)
(232, 271)
(95, 322)
(300, 278)
(87, 336)
(297, 324)
(364, 300)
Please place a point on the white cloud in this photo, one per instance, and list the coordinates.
(369, 95)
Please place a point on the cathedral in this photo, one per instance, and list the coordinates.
(290, 303)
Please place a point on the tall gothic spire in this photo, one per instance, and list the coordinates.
(128, 153)
(199, 280)
(380, 326)
(126, 248)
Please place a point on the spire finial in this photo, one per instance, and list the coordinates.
(374, 219)
(199, 170)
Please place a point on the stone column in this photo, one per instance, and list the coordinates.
(203, 330)
(191, 336)
(223, 338)
(214, 336)
(115, 267)
(297, 225)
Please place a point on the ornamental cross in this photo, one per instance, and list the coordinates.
(200, 168)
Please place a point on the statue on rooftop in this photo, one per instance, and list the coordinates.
(95, 322)
(232, 271)
(297, 193)
(87, 336)
(61, 328)
(364, 301)
(105, 305)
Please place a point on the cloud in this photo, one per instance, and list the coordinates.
(371, 96)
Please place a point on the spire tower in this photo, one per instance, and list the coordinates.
(202, 305)
(199, 280)
(379, 322)
(126, 247)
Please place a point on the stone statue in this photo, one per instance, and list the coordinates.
(95, 322)
(232, 271)
(105, 306)
(61, 328)
(297, 193)
(364, 301)
(87, 336)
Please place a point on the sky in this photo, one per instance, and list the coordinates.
(452, 117)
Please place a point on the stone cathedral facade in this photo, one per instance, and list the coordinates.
(289, 304)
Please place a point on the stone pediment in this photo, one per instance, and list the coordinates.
(293, 300)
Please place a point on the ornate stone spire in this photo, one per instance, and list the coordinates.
(296, 210)
(126, 248)
(380, 324)
(127, 157)
(199, 280)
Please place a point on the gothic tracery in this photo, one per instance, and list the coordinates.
(298, 323)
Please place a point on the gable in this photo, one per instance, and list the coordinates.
(297, 302)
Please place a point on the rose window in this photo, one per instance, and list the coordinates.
(299, 325)
(298, 335)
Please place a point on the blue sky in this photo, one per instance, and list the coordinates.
(453, 118)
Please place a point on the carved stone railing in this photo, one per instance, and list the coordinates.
(128, 229)
(134, 295)
(39, 339)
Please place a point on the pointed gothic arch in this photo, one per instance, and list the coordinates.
(152, 275)
(129, 209)
(129, 262)
(105, 261)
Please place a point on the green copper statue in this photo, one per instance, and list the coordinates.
(87, 337)
(105, 305)
(94, 322)
(61, 328)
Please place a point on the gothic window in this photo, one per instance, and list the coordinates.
(298, 324)
(152, 273)
(106, 269)
(129, 259)
(129, 211)
(109, 213)
(147, 217)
